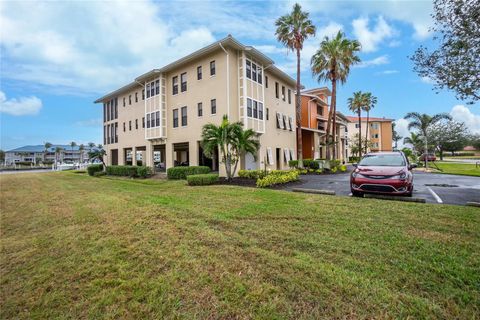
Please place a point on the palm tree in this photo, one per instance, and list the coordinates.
(355, 104)
(46, 146)
(81, 148)
(232, 141)
(292, 30)
(415, 141)
(422, 122)
(332, 62)
(370, 102)
(57, 153)
(395, 136)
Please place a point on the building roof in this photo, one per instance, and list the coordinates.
(228, 41)
(41, 148)
(315, 91)
(371, 119)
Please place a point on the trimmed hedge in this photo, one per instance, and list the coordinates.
(99, 173)
(91, 169)
(202, 179)
(293, 164)
(129, 171)
(183, 172)
(252, 174)
(307, 164)
(278, 177)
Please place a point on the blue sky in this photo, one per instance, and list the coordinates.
(58, 57)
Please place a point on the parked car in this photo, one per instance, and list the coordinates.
(430, 157)
(383, 173)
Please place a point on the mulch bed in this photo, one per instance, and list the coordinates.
(244, 182)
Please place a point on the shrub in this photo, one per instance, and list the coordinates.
(293, 164)
(314, 165)
(319, 171)
(91, 169)
(24, 163)
(79, 171)
(202, 179)
(333, 170)
(306, 163)
(252, 174)
(183, 172)
(144, 172)
(123, 171)
(334, 163)
(277, 177)
(343, 168)
(99, 173)
(353, 159)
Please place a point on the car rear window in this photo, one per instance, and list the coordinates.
(385, 160)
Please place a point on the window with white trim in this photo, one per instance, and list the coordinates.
(174, 86)
(280, 121)
(183, 80)
(175, 118)
(290, 123)
(285, 122)
(270, 156)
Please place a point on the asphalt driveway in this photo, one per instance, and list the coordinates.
(434, 187)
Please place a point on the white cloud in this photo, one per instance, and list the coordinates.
(371, 38)
(330, 30)
(381, 60)
(387, 72)
(461, 113)
(401, 126)
(427, 80)
(23, 106)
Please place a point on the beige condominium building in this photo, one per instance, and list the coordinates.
(379, 132)
(157, 119)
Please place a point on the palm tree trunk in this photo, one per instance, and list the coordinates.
(366, 131)
(334, 118)
(299, 115)
(426, 151)
(359, 133)
(329, 122)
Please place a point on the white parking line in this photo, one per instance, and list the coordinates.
(439, 200)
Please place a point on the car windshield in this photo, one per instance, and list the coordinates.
(382, 160)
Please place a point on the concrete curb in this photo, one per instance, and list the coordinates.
(384, 197)
(315, 191)
(473, 204)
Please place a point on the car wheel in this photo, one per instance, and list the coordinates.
(357, 194)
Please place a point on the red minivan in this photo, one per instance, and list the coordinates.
(384, 173)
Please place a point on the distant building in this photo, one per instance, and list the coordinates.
(379, 132)
(37, 154)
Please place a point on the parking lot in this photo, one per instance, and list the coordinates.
(433, 187)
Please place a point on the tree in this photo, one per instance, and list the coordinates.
(422, 122)
(355, 104)
(81, 148)
(98, 153)
(416, 141)
(58, 150)
(231, 140)
(448, 136)
(395, 136)
(292, 30)
(2, 156)
(369, 103)
(46, 146)
(474, 141)
(455, 64)
(332, 62)
(356, 145)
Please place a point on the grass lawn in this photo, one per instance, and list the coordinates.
(73, 246)
(467, 169)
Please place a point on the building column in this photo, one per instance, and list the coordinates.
(121, 157)
(193, 153)
(149, 155)
(134, 156)
(168, 155)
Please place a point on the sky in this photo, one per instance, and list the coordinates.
(56, 58)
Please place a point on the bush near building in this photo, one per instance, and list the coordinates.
(91, 169)
(277, 177)
(129, 171)
(183, 172)
(252, 174)
(202, 179)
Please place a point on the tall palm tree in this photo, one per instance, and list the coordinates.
(415, 140)
(232, 141)
(370, 102)
(292, 30)
(46, 146)
(395, 136)
(332, 62)
(355, 104)
(422, 122)
(58, 150)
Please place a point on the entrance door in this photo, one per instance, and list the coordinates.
(114, 154)
(279, 158)
(250, 163)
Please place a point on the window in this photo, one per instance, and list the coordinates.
(130, 125)
(254, 72)
(184, 116)
(212, 68)
(270, 156)
(124, 127)
(279, 121)
(285, 122)
(175, 118)
(199, 73)
(143, 122)
(255, 109)
(174, 85)
(290, 123)
(104, 112)
(124, 101)
(260, 111)
(148, 90)
(267, 116)
(136, 124)
(266, 82)
(152, 120)
(283, 93)
(116, 132)
(276, 90)
(200, 109)
(260, 76)
(375, 136)
(374, 126)
(152, 89)
(157, 118)
(157, 87)
(249, 69)
(129, 99)
(104, 134)
(183, 80)
(213, 106)
(108, 111)
(289, 96)
(148, 120)
(249, 107)
(356, 125)
(116, 108)
(143, 94)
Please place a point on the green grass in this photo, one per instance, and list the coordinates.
(462, 157)
(74, 246)
(467, 169)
